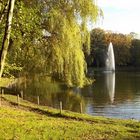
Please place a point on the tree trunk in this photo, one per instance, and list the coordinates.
(6, 38)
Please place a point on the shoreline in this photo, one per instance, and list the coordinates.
(14, 93)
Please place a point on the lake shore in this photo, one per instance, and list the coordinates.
(26, 120)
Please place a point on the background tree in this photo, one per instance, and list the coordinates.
(135, 52)
(121, 45)
(98, 47)
(99, 44)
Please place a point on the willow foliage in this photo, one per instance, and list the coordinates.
(61, 51)
(67, 56)
(69, 38)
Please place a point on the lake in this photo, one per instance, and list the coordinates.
(114, 95)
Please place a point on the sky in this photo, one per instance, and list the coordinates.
(121, 16)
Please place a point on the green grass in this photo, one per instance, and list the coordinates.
(32, 122)
(5, 81)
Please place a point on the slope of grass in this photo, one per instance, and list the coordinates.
(30, 121)
(5, 81)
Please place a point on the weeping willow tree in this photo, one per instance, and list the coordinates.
(67, 23)
(66, 41)
(67, 59)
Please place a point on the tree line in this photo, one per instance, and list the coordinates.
(126, 48)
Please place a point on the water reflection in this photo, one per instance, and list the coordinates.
(110, 85)
(112, 95)
(102, 92)
(51, 93)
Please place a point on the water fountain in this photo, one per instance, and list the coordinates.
(110, 60)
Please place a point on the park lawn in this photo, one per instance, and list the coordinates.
(5, 81)
(30, 122)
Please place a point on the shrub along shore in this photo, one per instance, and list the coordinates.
(25, 120)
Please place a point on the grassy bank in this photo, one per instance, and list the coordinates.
(5, 81)
(30, 121)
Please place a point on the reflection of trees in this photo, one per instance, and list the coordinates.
(51, 93)
(127, 85)
(97, 93)
(71, 101)
(101, 92)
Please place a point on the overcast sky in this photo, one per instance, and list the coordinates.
(120, 15)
